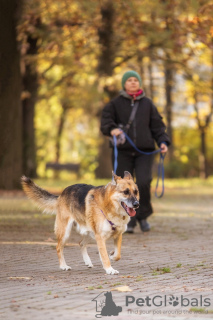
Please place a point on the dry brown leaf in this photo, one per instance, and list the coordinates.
(122, 289)
(49, 240)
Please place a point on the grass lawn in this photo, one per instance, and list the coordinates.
(192, 185)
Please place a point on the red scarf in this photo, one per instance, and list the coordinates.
(136, 94)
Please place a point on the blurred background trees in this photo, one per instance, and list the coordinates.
(10, 93)
(72, 55)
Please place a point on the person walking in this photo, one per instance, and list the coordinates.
(136, 114)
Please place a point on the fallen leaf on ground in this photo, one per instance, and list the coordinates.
(122, 289)
(49, 240)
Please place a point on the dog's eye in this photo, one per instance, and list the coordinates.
(126, 191)
(136, 192)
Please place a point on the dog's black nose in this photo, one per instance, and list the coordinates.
(136, 204)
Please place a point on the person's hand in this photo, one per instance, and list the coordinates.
(163, 148)
(115, 132)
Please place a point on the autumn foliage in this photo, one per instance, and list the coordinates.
(73, 54)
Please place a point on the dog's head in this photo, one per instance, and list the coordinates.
(126, 193)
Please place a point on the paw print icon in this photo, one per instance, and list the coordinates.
(173, 301)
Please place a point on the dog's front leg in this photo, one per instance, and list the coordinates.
(116, 254)
(104, 255)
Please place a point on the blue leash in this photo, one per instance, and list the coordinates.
(160, 164)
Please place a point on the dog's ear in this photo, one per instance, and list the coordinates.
(115, 178)
(127, 175)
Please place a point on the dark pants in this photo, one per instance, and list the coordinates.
(140, 166)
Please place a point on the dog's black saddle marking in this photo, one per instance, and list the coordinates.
(76, 195)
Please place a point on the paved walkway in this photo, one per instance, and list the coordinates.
(169, 270)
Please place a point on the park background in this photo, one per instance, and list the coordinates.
(62, 61)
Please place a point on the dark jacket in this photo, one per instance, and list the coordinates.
(146, 128)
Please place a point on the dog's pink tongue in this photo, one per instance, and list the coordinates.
(131, 212)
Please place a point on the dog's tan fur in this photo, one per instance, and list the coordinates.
(89, 209)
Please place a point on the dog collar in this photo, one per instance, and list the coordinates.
(110, 222)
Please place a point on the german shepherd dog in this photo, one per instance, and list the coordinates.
(98, 212)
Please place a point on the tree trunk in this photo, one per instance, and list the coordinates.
(59, 134)
(105, 67)
(149, 89)
(10, 93)
(202, 156)
(142, 72)
(58, 139)
(168, 107)
(202, 130)
(140, 58)
(30, 86)
(151, 82)
(104, 170)
(106, 36)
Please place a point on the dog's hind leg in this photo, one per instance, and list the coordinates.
(116, 254)
(63, 234)
(83, 246)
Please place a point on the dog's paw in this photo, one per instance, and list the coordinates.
(65, 268)
(114, 257)
(89, 265)
(110, 270)
(88, 262)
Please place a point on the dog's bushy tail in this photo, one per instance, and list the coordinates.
(42, 198)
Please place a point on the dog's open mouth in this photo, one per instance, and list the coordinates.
(130, 211)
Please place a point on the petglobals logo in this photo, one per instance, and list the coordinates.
(164, 301)
(105, 306)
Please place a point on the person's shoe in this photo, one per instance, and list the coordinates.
(129, 230)
(144, 225)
